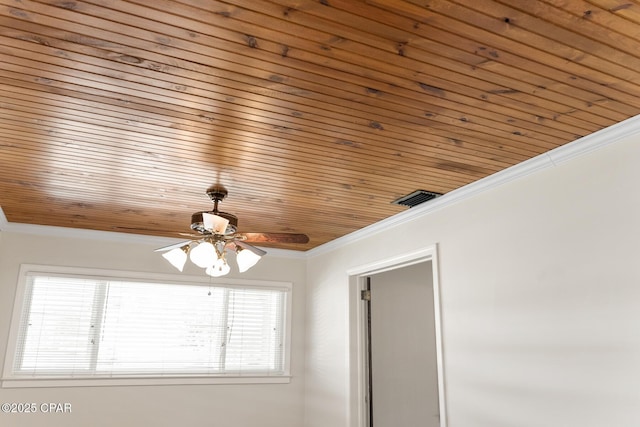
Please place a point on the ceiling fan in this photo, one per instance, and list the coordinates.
(217, 233)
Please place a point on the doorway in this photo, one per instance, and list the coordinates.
(400, 377)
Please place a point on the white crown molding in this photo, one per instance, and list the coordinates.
(577, 148)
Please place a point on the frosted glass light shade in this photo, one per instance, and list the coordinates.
(246, 259)
(220, 268)
(177, 257)
(203, 255)
(214, 223)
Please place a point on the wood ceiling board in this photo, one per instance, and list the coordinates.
(117, 115)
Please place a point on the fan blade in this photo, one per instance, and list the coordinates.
(274, 237)
(231, 245)
(247, 246)
(174, 246)
(136, 229)
(198, 236)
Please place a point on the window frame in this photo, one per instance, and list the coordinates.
(10, 380)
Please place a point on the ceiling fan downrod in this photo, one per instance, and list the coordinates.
(217, 194)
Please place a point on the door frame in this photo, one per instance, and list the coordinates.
(358, 357)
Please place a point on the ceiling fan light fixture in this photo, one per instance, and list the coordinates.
(177, 257)
(218, 234)
(219, 268)
(197, 222)
(215, 223)
(246, 259)
(203, 255)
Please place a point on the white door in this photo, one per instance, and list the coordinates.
(402, 343)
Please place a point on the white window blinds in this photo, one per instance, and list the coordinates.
(74, 327)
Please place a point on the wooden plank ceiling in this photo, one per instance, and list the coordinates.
(315, 115)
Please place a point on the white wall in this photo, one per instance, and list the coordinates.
(266, 405)
(540, 297)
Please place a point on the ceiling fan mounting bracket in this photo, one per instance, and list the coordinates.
(217, 193)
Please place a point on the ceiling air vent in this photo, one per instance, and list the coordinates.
(416, 198)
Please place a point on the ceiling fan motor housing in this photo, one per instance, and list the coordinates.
(217, 193)
(197, 222)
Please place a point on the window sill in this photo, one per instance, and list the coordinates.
(141, 381)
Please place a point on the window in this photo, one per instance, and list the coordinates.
(79, 326)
